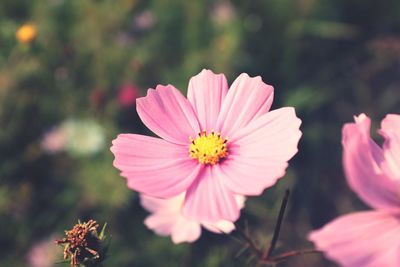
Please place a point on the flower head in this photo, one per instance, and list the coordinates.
(208, 148)
(83, 243)
(167, 219)
(214, 145)
(26, 33)
(369, 238)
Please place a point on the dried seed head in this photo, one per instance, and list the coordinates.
(83, 243)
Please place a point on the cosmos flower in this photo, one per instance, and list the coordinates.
(26, 33)
(167, 219)
(216, 144)
(368, 238)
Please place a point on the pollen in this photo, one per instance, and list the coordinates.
(208, 148)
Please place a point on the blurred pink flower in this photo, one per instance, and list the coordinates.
(43, 253)
(223, 12)
(167, 219)
(55, 140)
(144, 20)
(78, 137)
(195, 154)
(127, 95)
(368, 238)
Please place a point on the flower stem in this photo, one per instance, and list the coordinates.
(265, 258)
(287, 255)
(267, 253)
(251, 243)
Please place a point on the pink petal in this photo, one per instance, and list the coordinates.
(361, 239)
(240, 201)
(209, 200)
(206, 92)
(236, 174)
(153, 166)
(221, 226)
(387, 258)
(258, 153)
(169, 114)
(162, 224)
(167, 218)
(247, 99)
(185, 231)
(390, 129)
(153, 204)
(361, 160)
(391, 123)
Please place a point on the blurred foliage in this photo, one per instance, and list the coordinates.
(329, 59)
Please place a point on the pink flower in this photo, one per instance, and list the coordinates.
(127, 95)
(368, 238)
(55, 140)
(223, 12)
(144, 20)
(167, 219)
(216, 144)
(43, 253)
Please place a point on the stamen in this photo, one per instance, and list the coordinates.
(208, 149)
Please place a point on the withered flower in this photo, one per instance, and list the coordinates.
(83, 244)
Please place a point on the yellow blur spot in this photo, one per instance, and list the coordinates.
(26, 33)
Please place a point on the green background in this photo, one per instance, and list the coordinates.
(329, 59)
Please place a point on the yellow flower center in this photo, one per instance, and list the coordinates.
(208, 148)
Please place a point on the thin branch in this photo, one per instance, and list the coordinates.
(265, 257)
(251, 243)
(286, 255)
(242, 250)
(267, 254)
